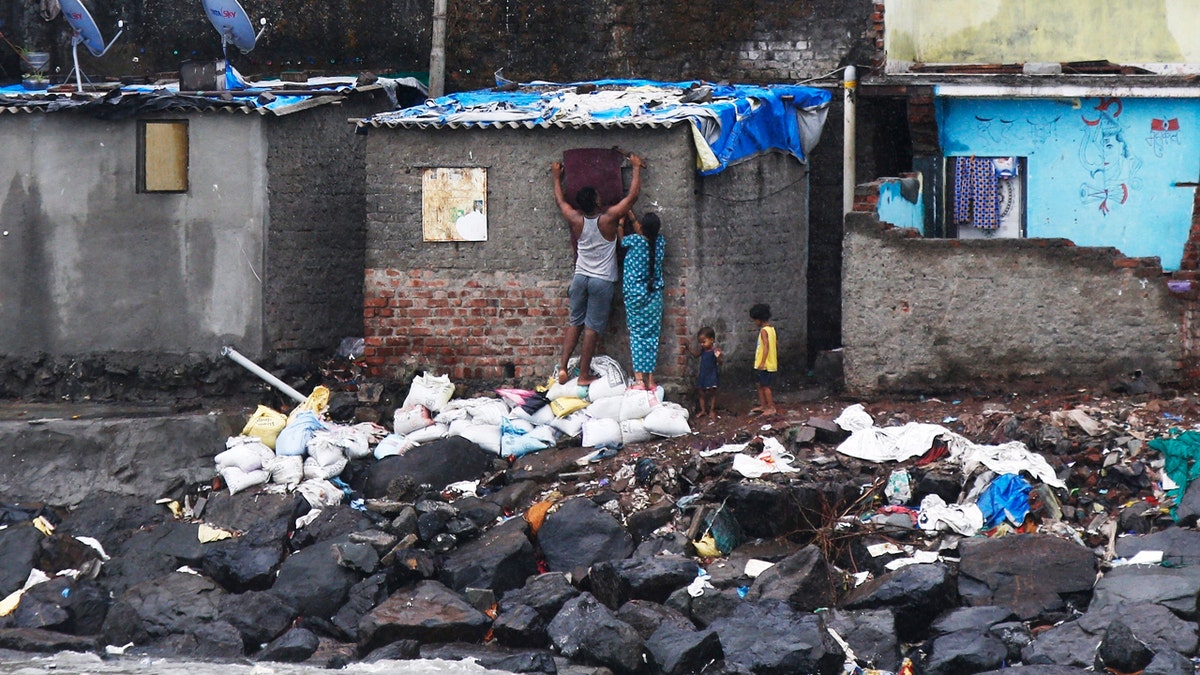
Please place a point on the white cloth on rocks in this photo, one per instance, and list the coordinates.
(937, 515)
(897, 444)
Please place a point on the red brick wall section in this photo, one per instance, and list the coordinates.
(491, 326)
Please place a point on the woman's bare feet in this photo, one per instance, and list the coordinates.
(701, 414)
(767, 411)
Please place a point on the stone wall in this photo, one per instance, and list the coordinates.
(927, 314)
(496, 309)
(743, 41)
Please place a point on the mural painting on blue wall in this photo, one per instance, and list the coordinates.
(1098, 171)
(1105, 154)
(1163, 133)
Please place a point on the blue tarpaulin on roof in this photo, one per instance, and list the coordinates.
(731, 122)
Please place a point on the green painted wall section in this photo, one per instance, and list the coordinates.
(1021, 31)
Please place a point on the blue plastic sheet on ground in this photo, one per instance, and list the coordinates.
(1006, 497)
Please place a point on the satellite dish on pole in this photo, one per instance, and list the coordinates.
(232, 22)
(86, 32)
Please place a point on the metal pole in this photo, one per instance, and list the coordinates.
(266, 377)
(849, 125)
(437, 54)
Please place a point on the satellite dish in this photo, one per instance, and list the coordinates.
(86, 32)
(232, 22)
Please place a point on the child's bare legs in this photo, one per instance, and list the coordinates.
(766, 400)
(711, 395)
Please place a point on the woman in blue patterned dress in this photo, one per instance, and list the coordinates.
(642, 286)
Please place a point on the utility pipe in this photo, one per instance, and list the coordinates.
(849, 125)
(266, 377)
(437, 54)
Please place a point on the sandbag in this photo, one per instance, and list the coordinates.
(431, 391)
(345, 440)
(247, 453)
(570, 425)
(317, 403)
(518, 441)
(429, 433)
(637, 403)
(485, 436)
(265, 425)
(667, 419)
(287, 470)
(314, 469)
(410, 418)
(634, 431)
(490, 411)
(565, 405)
(602, 433)
(293, 440)
(542, 415)
(237, 480)
(604, 388)
(394, 444)
(606, 408)
(570, 388)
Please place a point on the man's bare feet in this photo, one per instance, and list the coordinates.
(563, 376)
(755, 411)
(585, 382)
(767, 411)
(701, 414)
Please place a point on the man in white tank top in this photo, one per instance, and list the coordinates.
(595, 280)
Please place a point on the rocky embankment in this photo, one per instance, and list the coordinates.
(668, 557)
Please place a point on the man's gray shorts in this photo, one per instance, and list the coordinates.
(591, 301)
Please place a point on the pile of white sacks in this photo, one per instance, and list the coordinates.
(306, 452)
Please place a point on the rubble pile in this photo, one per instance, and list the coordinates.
(936, 537)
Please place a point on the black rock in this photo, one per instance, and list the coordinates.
(1180, 546)
(258, 616)
(248, 562)
(426, 612)
(405, 522)
(437, 464)
(176, 604)
(1015, 635)
(248, 508)
(641, 523)
(579, 534)
(44, 606)
(676, 651)
(969, 618)
(965, 652)
(520, 626)
(654, 578)
(363, 597)
(525, 662)
(45, 641)
(400, 650)
(18, 555)
(546, 593)
(772, 638)
(1155, 625)
(1175, 588)
(804, 580)
(152, 553)
(646, 617)
(483, 513)
(500, 560)
(871, 634)
(312, 581)
(1167, 662)
(917, 593)
(585, 630)
(361, 558)
(215, 640)
(294, 646)
(411, 565)
(1121, 651)
(705, 608)
(1027, 573)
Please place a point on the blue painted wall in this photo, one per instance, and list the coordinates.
(1100, 171)
(894, 209)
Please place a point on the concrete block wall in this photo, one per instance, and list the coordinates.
(316, 231)
(923, 314)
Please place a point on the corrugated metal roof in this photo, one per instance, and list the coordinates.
(730, 122)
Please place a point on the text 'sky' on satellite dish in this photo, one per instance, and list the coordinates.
(232, 22)
(85, 28)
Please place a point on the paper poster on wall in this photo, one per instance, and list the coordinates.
(454, 204)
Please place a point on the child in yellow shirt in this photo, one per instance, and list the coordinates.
(766, 359)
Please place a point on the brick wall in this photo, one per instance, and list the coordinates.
(497, 309)
(925, 314)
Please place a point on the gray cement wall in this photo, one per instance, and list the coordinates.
(472, 309)
(87, 264)
(923, 314)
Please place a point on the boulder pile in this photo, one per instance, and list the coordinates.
(1006, 537)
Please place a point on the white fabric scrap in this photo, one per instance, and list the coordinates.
(773, 459)
(755, 567)
(1141, 558)
(897, 444)
(918, 558)
(936, 514)
(696, 588)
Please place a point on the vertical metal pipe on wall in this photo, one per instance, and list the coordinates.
(437, 53)
(849, 124)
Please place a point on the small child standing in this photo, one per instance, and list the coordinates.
(706, 380)
(766, 360)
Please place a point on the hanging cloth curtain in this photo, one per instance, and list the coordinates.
(976, 193)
